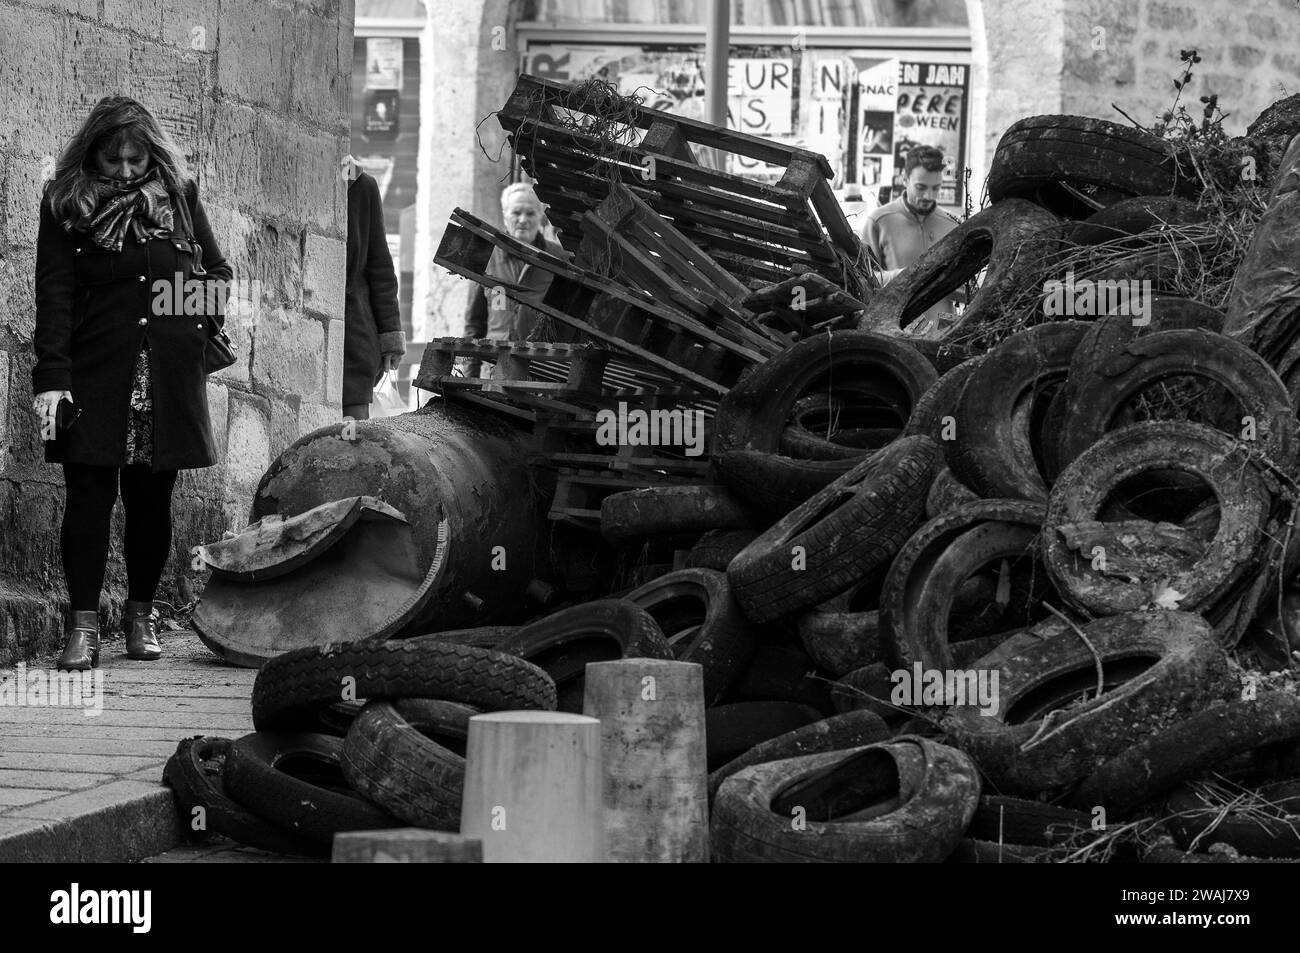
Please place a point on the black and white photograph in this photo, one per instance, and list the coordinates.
(651, 431)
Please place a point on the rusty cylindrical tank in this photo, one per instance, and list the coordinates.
(441, 462)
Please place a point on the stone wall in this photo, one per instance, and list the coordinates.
(256, 93)
(473, 59)
(1080, 56)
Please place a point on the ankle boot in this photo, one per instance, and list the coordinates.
(140, 624)
(81, 650)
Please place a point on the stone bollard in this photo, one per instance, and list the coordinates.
(405, 845)
(652, 746)
(532, 787)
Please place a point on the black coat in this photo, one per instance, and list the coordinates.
(94, 309)
(371, 309)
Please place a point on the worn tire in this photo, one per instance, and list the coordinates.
(1132, 216)
(1018, 755)
(940, 401)
(857, 423)
(1098, 396)
(389, 756)
(774, 484)
(194, 773)
(1190, 748)
(843, 633)
(1017, 821)
(1085, 484)
(701, 623)
(905, 641)
(846, 530)
(749, 823)
(851, 692)
(665, 510)
(1106, 337)
(946, 494)
(754, 413)
(1037, 152)
(563, 643)
(308, 809)
(991, 453)
(731, 730)
(291, 688)
(718, 547)
(1010, 239)
(850, 730)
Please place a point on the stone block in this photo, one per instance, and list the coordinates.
(20, 187)
(290, 356)
(1171, 17)
(191, 24)
(314, 416)
(139, 16)
(168, 80)
(321, 82)
(219, 413)
(256, 36)
(334, 363)
(1261, 26)
(274, 168)
(18, 296)
(1246, 57)
(324, 275)
(284, 423)
(248, 442)
(32, 73)
(5, 411)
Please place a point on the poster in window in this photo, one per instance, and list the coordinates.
(931, 104)
(380, 118)
(383, 63)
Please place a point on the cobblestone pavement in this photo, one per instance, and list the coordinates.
(81, 787)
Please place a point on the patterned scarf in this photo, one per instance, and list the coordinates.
(141, 208)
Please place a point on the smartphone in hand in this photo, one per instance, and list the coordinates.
(65, 414)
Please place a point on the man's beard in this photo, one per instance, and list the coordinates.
(919, 211)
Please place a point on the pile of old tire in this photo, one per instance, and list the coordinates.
(292, 784)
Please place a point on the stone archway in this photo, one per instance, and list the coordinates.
(1017, 69)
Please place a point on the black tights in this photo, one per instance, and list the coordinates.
(91, 493)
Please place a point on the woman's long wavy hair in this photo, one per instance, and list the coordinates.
(114, 121)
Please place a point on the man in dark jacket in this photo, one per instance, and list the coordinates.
(372, 341)
(492, 314)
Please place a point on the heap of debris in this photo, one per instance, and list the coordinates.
(1021, 586)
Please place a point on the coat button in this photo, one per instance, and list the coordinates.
(142, 277)
(142, 322)
(78, 251)
(199, 326)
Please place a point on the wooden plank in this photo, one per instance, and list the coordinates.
(693, 130)
(568, 295)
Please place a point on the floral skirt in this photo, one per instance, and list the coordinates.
(139, 424)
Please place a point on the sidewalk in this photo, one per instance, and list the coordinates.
(89, 789)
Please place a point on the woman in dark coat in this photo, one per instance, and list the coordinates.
(114, 238)
(372, 328)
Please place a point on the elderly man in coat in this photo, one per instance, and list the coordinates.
(493, 315)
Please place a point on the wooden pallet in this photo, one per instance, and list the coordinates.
(578, 493)
(625, 237)
(766, 228)
(631, 321)
(559, 390)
